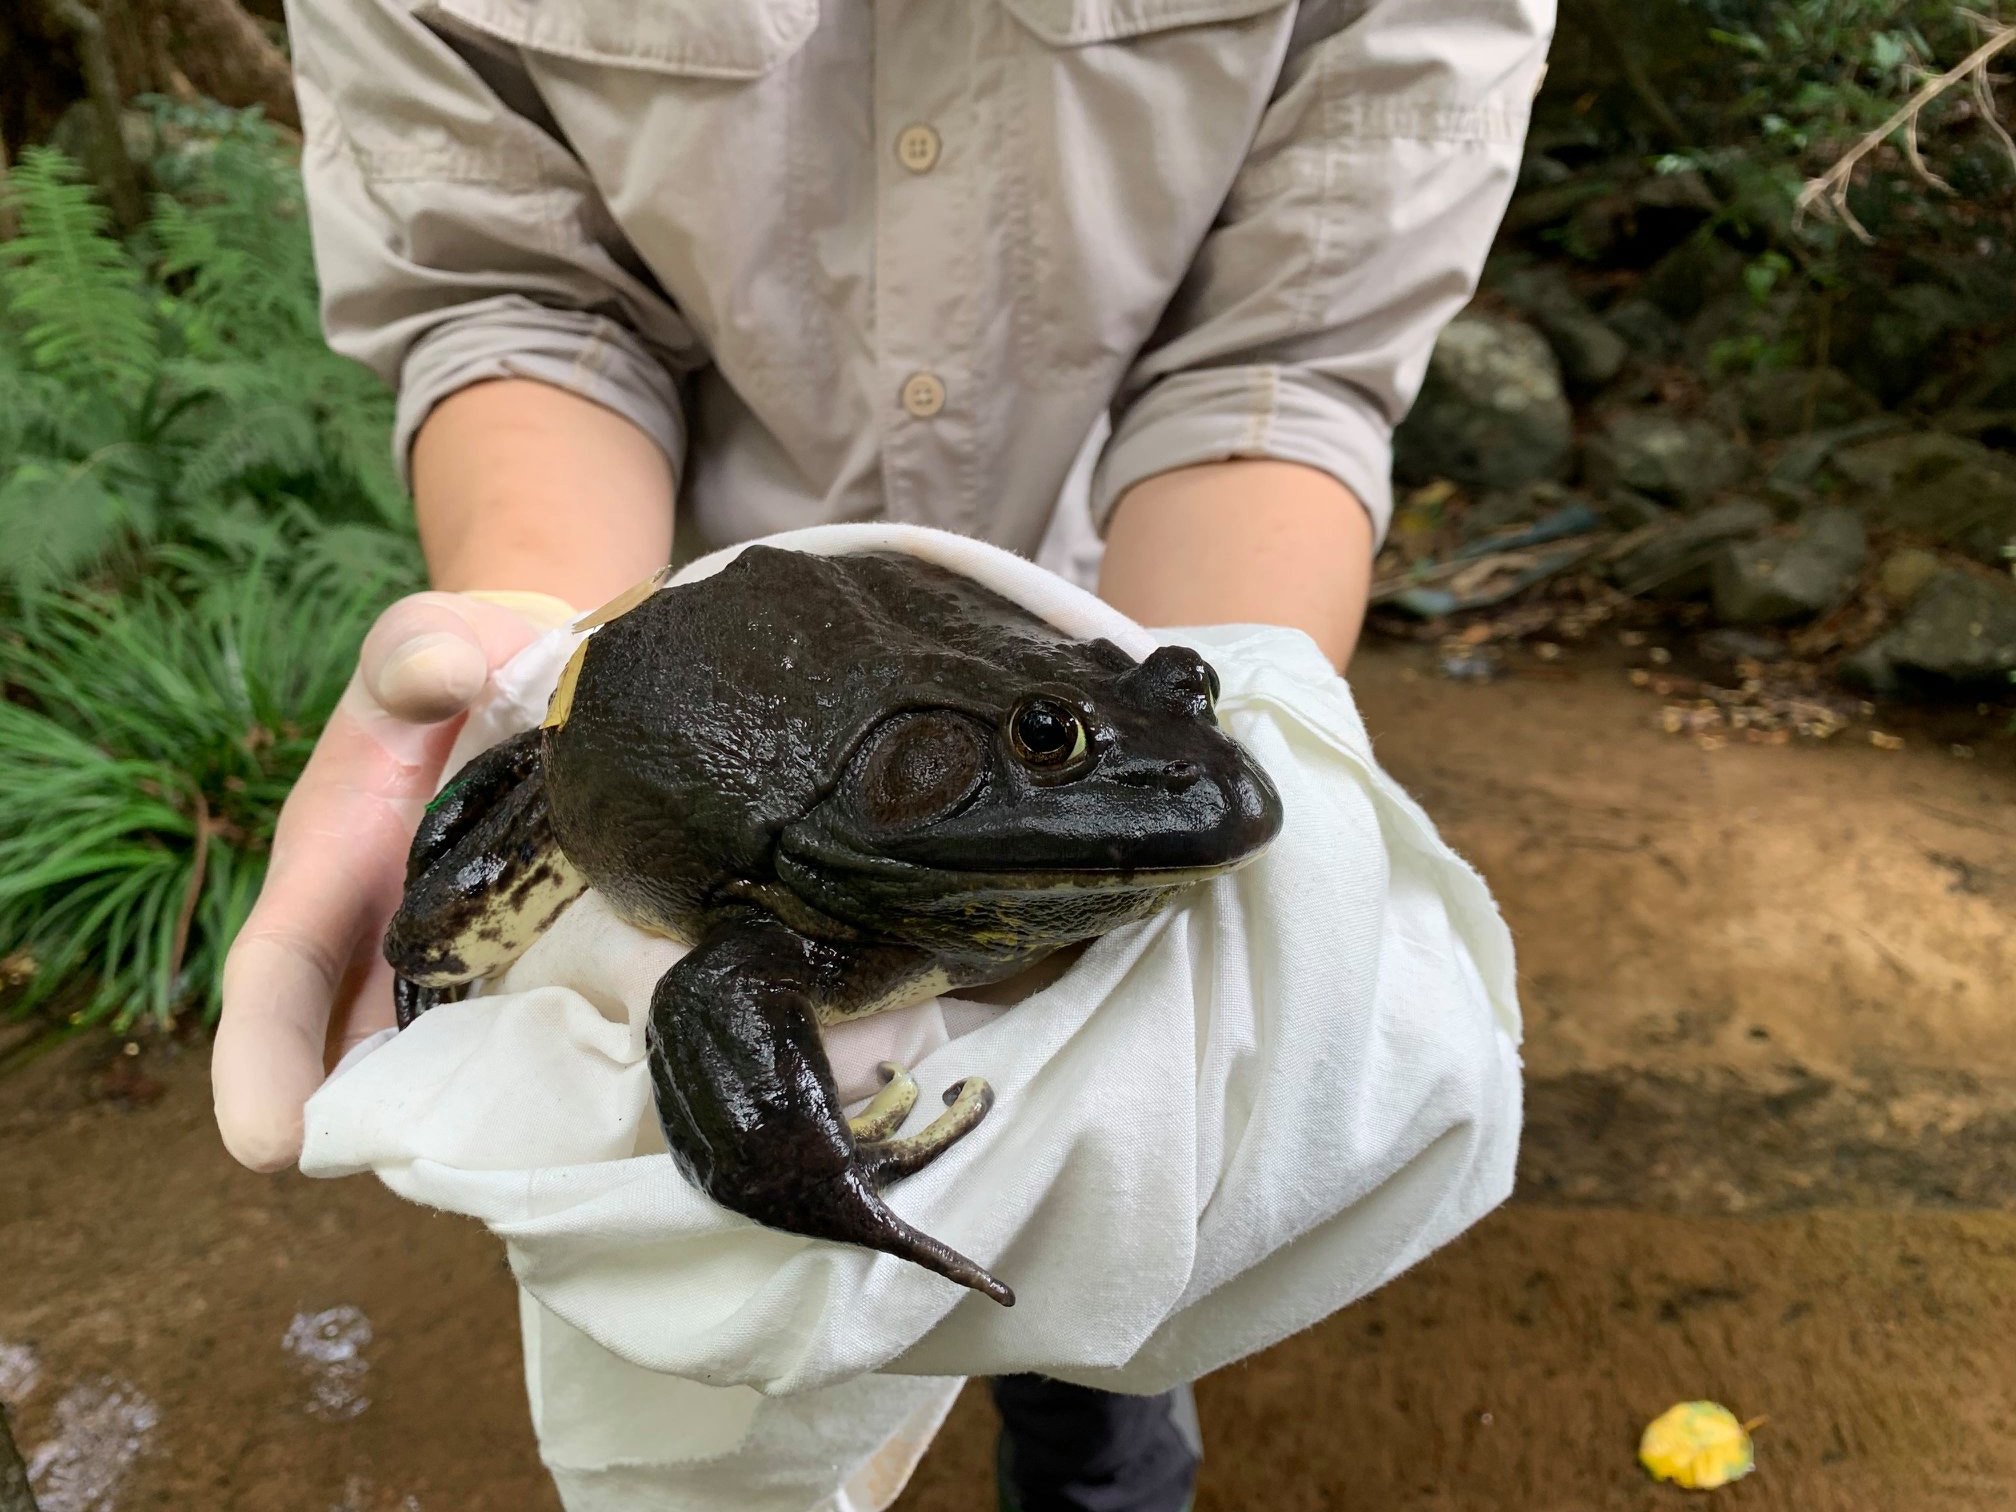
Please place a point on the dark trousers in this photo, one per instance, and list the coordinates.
(1072, 1449)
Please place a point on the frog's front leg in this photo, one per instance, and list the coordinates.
(747, 1098)
(483, 878)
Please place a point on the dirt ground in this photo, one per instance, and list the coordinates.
(1771, 1158)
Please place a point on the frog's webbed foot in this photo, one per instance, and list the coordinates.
(410, 999)
(749, 1105)
(966, 1103)
(483, 878)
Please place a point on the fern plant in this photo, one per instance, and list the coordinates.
(146, 747)
(146, 388)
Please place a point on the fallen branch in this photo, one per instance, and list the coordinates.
(1830, 190)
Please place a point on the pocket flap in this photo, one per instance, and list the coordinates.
(1077, 23)
(710, 39)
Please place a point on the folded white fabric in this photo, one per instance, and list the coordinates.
(1213, 1129)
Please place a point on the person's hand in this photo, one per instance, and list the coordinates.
(305, 980)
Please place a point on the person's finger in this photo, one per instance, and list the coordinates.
(365, 1005)
(428, 656)
(339, 857)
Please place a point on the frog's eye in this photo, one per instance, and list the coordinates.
(1211, 680)
(1046, 733)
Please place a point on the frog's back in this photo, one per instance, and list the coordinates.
(714, 713)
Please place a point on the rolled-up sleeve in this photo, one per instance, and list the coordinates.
(456, 238)
(1354, 231)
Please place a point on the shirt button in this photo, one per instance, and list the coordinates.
(923, 395)
(917, 148)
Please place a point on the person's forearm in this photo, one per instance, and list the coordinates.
(1242, 542)
(520, 485)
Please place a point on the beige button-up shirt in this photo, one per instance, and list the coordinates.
(897, 259)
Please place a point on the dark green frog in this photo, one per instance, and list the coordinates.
(849, 783)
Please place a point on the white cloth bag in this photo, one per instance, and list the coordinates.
(1212, 1130)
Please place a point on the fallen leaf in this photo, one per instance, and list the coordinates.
(1698, 1445)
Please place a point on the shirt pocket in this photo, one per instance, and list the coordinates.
(708, 39)
(1124, 126)
(688, 116)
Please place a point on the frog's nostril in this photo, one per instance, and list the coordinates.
(1181, 775)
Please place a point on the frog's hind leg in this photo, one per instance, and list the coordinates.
(484, 879)
(747, 1099)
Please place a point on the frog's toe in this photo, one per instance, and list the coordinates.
(410, 999)
(885, 1114)
(966, 1103)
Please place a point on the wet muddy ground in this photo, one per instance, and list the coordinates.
(1771, 1159)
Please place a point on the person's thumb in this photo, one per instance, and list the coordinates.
(430, 655)
(338, 855)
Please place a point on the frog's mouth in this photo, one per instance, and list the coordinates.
(1127, 840)
(825, 855)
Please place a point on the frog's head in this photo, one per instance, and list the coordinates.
(1078, 794)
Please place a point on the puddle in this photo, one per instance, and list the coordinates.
(330, 1346)
(102, 1426)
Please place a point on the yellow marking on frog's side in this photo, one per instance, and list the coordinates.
(651, 926)
(562, 700)
(513, 916)
(625, 601)
(905, 994)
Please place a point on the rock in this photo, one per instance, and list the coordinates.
(1590, 353)
(1795, 401)
(1673, 561)
(1958, 636)
(1550, 204)
(1901, 338)
(1891, 462)
(1700, 269)
(1991, 384)
(1939, 488)
(1492, 412)
(1738, 646)
(1539, 171)
(1905, 572)
(1784, 580)
(1628, 510)
(1672, 460)
(1685, 190)
(1648, 332)
(77, 134)
(1800, 464)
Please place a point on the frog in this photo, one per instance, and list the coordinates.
(848, 784)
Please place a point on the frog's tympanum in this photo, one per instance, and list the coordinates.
(849, 783)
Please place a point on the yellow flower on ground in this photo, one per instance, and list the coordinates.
(1699, 1445)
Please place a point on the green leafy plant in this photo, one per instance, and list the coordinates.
(145, 748)
(1816, 76)
(148, 388)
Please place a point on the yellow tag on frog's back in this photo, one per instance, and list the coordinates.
(563, 691)
(563, 694)
(1698, 1445)
(625, 601)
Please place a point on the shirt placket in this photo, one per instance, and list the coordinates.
(928, 372)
